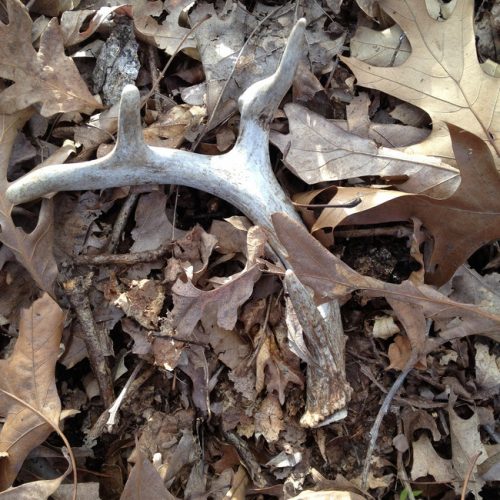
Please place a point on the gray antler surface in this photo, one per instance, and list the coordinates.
(243, 177)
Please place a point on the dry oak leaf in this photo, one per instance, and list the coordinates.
(460, 224)
(170, 33)
(48, 77)
(144, 481)
(190, 302)
(29, 374)
(442, 75)
(318, 150)
(33, 250)
(330, 278)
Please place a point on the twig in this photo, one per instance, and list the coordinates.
(469, 473)
(396, 231)
(125, 259)
(382, 412)
(121, 222)
(77, 292)
(153, 68)
(113, 409)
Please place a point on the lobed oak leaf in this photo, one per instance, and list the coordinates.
(190, 302)
(442, 75)
(318, 150)
(170, 33)
(330, 278)
(33, 250)
(460, 224)
(29, 374)
(48, 77)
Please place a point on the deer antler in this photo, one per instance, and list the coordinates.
(243, 177)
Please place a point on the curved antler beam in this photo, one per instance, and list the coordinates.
(244, 178)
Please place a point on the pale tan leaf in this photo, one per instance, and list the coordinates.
(29, 374)
(426, 461)
(442, 75)
(170, 33)
(48, 77)
(487, 368)
(381, 48)
(318, 150)
(465, 445)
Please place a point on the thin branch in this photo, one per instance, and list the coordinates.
(382, 412)
(77, 292)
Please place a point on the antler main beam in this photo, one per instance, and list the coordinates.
(243, 177)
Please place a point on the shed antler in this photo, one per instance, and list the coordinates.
(242, 177)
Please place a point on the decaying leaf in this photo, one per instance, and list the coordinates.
(318, 150)
(191, 303)
(465, 445)
(460, 224)
(144, 481)
(48, 77)
(329, 277)
(170, 33)
(442, 75)
(33, 250)
(29, 374)
(380, 48)
(269, 419)
(142, 301)
(426, 461)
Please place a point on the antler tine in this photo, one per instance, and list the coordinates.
(263, 97)
(130, 140)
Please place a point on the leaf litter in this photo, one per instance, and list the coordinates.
(191, 289)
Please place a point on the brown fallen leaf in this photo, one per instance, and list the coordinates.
(442, 75)
(426, 461)
(76, 29)
(144, 482)
(170, 33)
(319, 150)
(465, 446)
(329, 277)
(48, 77)
(33, 250)
(460, 224)
(191, 303)
(29, 374)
